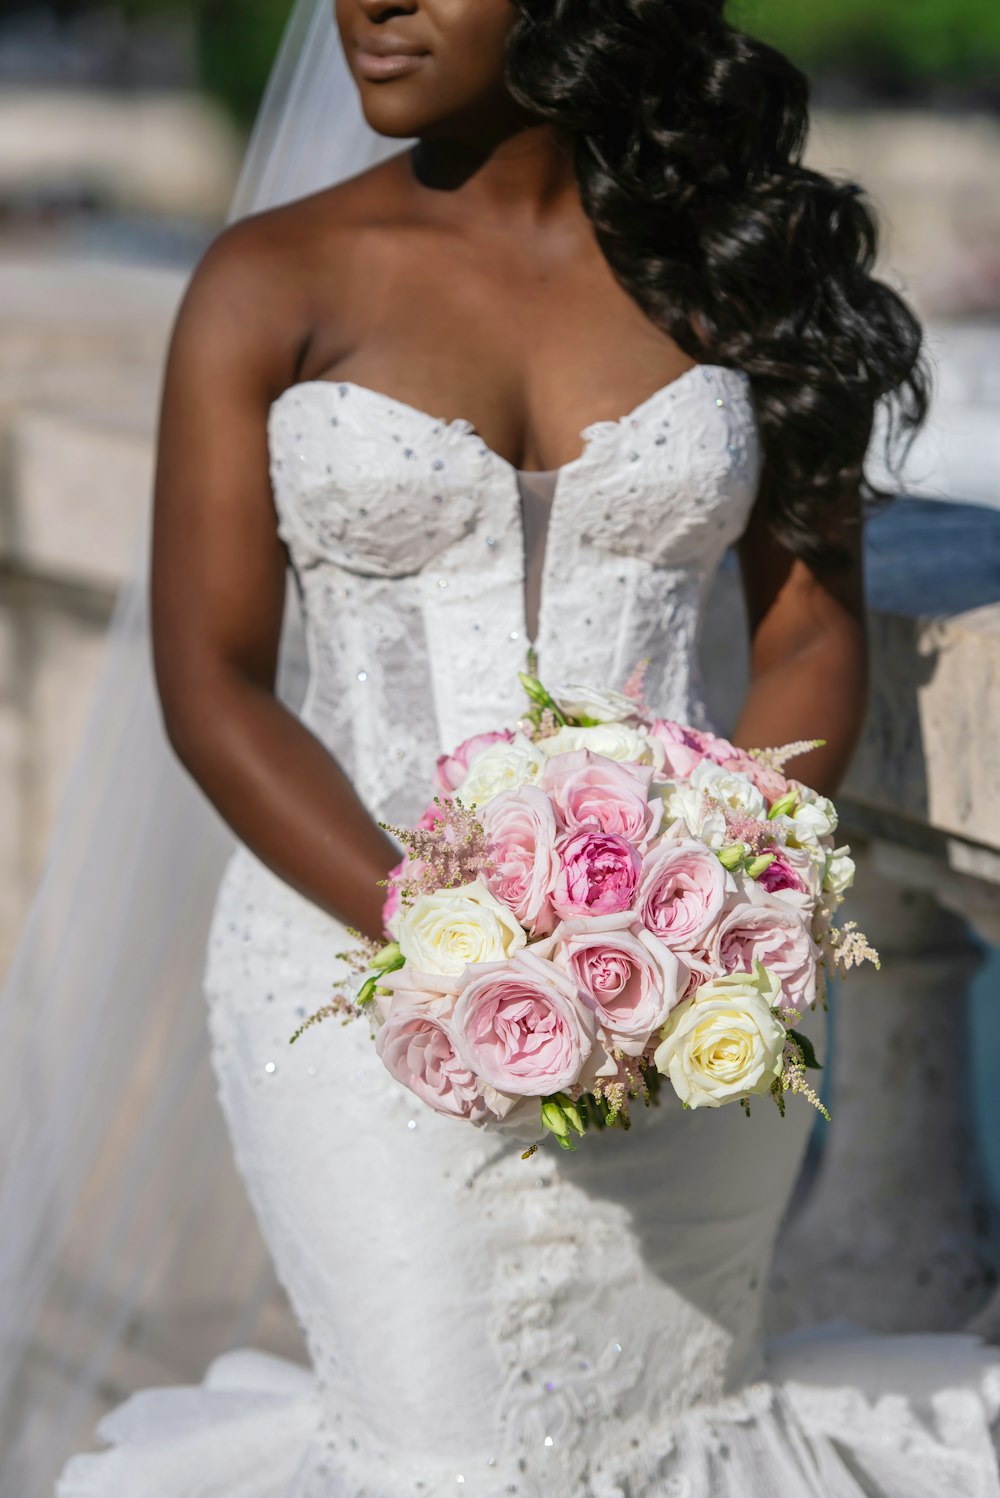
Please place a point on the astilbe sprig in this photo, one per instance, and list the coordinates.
(848, 947)
(777, 758)
(793, 1079)
(454, 850)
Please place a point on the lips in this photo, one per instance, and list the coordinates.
(380, 57)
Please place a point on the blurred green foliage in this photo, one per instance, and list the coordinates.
(884, 45)
(909, 41)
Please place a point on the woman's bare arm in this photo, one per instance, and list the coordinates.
(218, 584)
(809, 661)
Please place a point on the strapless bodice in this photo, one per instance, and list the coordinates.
(415, 557)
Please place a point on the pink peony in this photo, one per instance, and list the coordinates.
(627, 976)
(590, 790)
(781, 875)
(682, 892)
(450, 769)
(683, 751)
(417, 1047)
(521, 839)
(777, 938)
(521, 1026)
(598, 874)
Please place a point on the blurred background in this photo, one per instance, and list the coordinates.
(122, 124)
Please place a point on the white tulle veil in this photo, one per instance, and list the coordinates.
(128, 1254)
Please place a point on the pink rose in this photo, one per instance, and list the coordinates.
(627, 976)
(598, 874)
(590, 790)
(521, 834)
(429, 816)
(521, 1026)
(680, 744)
(771, 783)
(391, 903)
(682, 892)
(778, 939)
(451, 768)
(416, 1045)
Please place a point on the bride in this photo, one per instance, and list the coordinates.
(522, 382)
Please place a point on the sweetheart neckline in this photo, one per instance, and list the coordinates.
(584, 435)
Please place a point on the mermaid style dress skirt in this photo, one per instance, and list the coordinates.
(578, 1326)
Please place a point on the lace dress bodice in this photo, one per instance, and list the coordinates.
(406, 534)
(578, 1326)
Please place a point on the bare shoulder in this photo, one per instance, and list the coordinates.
(264, 283)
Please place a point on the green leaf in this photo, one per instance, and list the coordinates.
(805, 1045)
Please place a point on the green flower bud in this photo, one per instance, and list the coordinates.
(388, 958)
(732, 855)
(756, 866)
(367, 991)
(785, 805)
(554, 1119)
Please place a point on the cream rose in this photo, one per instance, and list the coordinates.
(613, 740)
(726, 1041)
(579, 701)
(443, 932)
(500, 767)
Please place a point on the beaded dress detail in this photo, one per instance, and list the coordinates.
(573, 1326)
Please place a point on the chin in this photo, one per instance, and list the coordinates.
(393, 115)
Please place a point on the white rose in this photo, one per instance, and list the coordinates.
(730, 787)
(444, 931)
(838, 875)
(578, 701)
(726, 1041)
(501, 766)
(613, 740)
(703, 817)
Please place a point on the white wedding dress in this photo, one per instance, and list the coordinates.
(573, 1326)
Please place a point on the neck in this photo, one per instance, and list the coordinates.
(519, 169)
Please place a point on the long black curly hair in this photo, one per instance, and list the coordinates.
(687, 137)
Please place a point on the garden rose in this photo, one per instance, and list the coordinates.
(683, 747)
(598, 873)
(416, 1045)
(522, 1028)
(444, 931)
(726, 1041)
(588, 789)
(682, 892)
(502, 766)
(451, 769)
(626, 975)
(748, 934)
(613, 740)
(521, 831)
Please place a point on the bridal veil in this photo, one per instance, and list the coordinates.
(128, 1253)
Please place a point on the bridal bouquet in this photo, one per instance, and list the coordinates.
(598, 899)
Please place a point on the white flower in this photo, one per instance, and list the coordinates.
(703, 816)
(838, 874)
(815, 817)
(578, 701)
(442, 932)
(726, 1041)
(613, 740)
(730, 787)
(501, 766)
